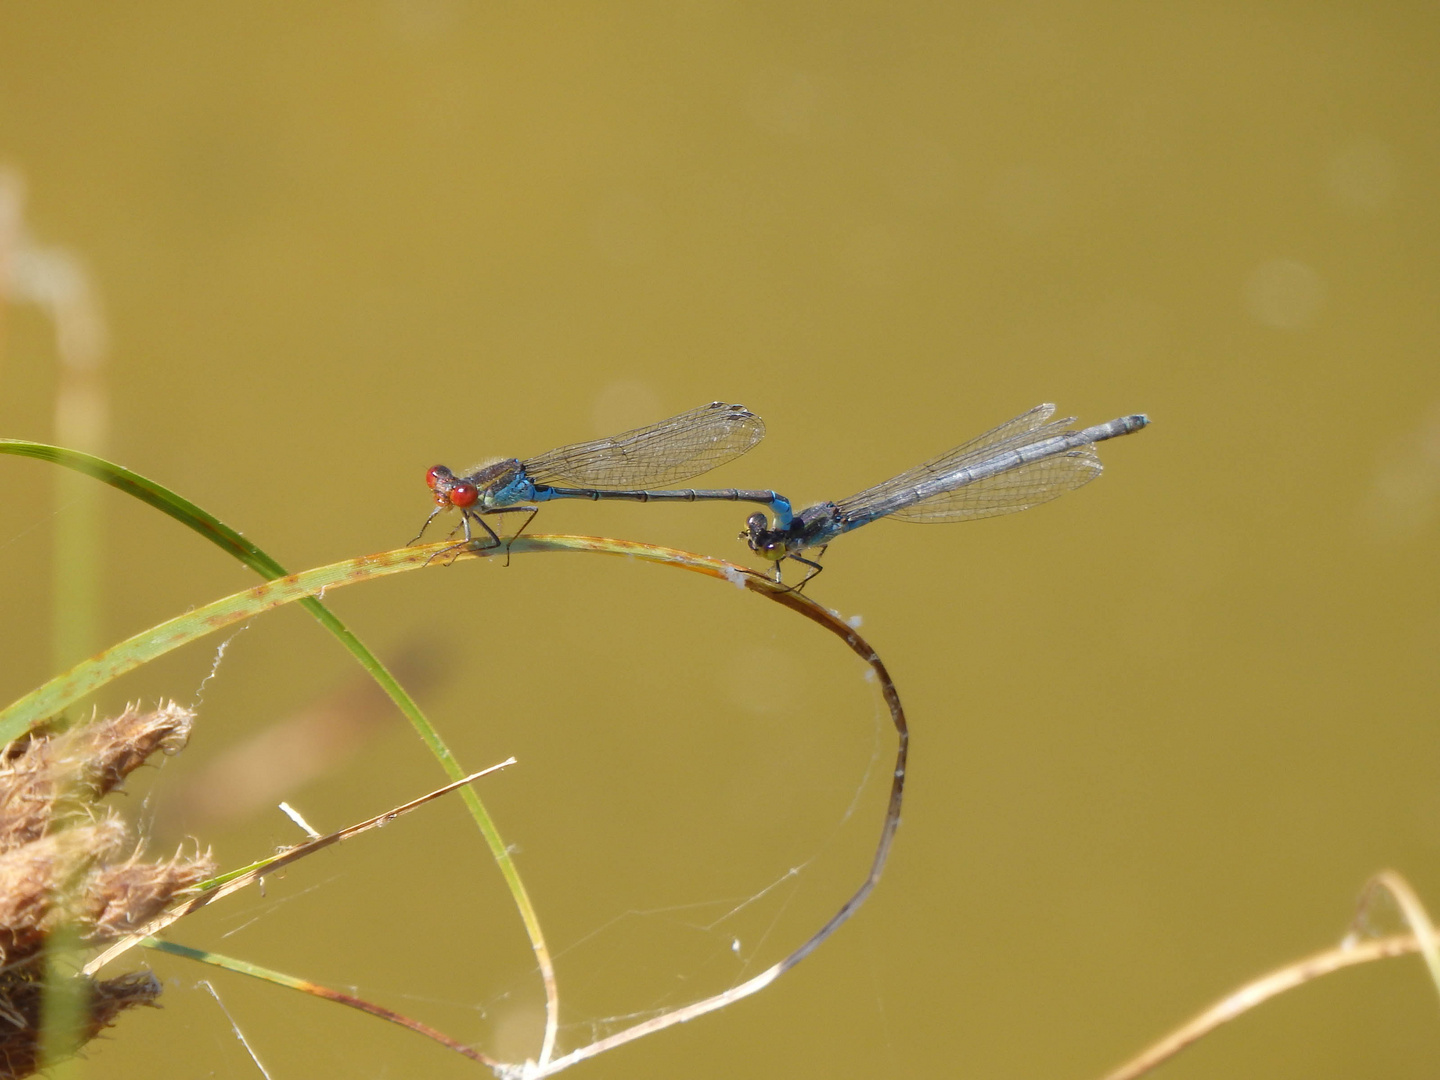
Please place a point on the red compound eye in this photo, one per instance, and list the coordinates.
(435, 474)
(463, 494)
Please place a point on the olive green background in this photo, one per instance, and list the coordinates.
(1164, 729)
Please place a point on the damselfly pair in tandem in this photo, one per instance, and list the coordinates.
(1022, 463)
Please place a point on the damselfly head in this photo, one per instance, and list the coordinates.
(450, 491)
(763, 539)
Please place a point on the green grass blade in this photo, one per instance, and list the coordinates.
(255, 971)
(157, 495)
(227, 539)
(90, 675)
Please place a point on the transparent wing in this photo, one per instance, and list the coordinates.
(1027, 428)
(1020, 488)
(662, 453)
(1027, 461)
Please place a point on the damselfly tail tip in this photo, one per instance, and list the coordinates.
(1126, 425)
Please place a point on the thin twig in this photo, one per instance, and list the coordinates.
(1413, 911)
(249, 876)
(236, 1029)
(305, 985)
(1261, 990)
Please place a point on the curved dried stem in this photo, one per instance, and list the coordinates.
(84, 678)
(1261, 990)
(803, 605)
(1410, 907)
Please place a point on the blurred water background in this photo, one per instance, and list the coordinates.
(1164, 729)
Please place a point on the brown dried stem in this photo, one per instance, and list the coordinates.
(1353, 950)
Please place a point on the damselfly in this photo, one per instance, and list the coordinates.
(1022, 463)
(627, 466)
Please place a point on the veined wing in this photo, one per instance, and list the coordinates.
(1018, 465)
(1019, 488)
(943, 489)
(657, 455)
